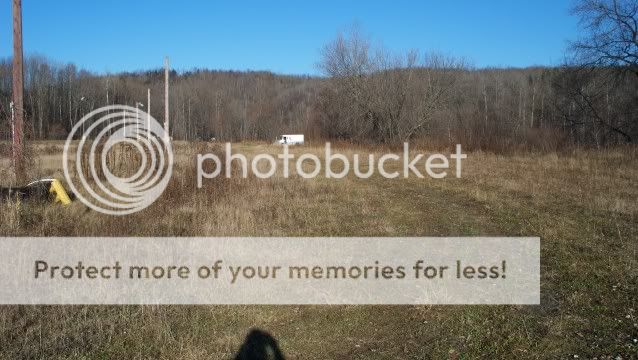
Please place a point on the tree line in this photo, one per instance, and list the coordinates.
(204, 104)
(369, 94)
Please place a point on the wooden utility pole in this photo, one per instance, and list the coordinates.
(18, 103)
(13, 129)
(166, 128)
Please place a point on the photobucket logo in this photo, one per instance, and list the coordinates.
(123, 160)
(333, 166)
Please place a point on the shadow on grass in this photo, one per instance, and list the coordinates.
(259, 345)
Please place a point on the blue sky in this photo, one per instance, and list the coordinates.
(284, 36)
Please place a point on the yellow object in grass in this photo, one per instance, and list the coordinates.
(60, 193)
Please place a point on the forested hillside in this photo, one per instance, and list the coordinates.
(484, 108)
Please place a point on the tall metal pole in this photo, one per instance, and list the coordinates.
(18, 89)
(166, 128)
(137, 119)
(81, 104)
(107, 103)
(148, 113)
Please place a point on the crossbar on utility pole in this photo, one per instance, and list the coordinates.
(18, 102)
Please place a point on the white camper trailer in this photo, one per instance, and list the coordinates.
(290, 139)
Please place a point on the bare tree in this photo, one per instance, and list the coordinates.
(611, 34)
(376, 95)
(600, 73)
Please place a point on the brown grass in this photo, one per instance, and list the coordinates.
(582, 204)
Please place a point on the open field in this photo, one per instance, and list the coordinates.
(583, 205)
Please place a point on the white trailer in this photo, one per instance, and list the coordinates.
(296, 139)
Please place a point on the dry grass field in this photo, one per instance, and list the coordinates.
(583, 205)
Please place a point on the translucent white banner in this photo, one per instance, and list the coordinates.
(423, 270)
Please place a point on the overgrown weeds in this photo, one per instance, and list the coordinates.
(581, 203)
